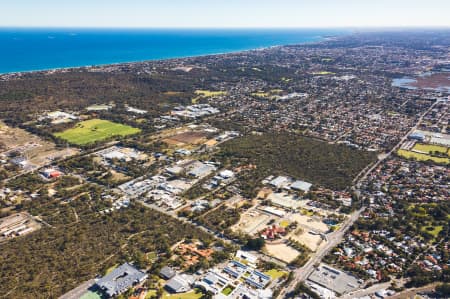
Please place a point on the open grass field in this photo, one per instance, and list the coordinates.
(150, 294)
(93, 130)
(284, 223)
(227, 291)
(433, 230)
(306, 212)
(194, 294)
(261, 94)
(210, 93)
(207, 94)
(275, 273)
(427, 148)
(422, 157)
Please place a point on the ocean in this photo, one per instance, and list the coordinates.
(23, 49)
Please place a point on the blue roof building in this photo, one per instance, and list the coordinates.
(120, 280)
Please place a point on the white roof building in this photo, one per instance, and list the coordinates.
(179, 284)
(246, 256)
(301, 186)
(279, 181)
(226, 174)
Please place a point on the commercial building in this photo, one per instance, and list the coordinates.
(199, 169)
(301, 186)
(334, 279)
(179, 284)
(167, 273)
(417, 136)
(51, 173)
(279, 182)
(120, 280)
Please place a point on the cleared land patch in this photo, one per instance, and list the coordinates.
(93, 130)
(252, 222)
(186, 138)
(282, 252)
(305, 237)
(310, 223)
(37, 150)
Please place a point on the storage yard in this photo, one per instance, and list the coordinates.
(17, 225)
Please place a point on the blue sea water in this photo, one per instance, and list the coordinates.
(41, 49)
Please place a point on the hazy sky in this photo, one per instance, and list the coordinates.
(224, 13)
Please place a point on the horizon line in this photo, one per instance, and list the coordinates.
(388, 27)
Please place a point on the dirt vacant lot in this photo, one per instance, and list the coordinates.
(252, 222)
(307, 238)
(192, 138)
(282, 252)
(38, 152)
(309, 223)
(12, 139)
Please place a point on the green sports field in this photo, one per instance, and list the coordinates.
(427, 148)
(422, 157)
(93, 130)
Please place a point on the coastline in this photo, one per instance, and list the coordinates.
(319, 39)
